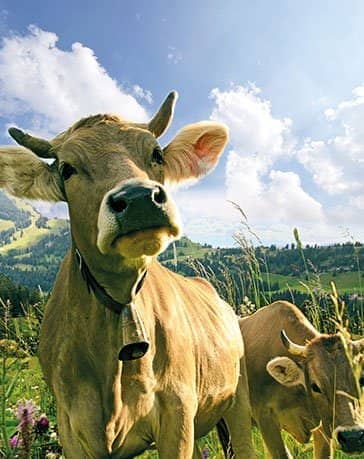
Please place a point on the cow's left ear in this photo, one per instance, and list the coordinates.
(285, 371)
(195, 150)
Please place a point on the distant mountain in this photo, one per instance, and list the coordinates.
(31, 245)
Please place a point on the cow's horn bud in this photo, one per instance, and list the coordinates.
(293, 348)
(162, 119)
(38, 146)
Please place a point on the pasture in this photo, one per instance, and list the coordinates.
(21, 381)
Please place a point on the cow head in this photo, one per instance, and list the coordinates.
(112, 173)
(332, 383)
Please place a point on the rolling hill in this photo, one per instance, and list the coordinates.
(31, 245)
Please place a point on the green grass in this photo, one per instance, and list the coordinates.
(30, 384)
(345, 282)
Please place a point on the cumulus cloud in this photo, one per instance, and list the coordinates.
(253, 129)
(53, 88)
(337, 164)
(259, 140)
(143, 93)
(329, 204)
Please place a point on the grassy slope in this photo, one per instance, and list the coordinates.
(6, 224)
(345, 282)
(348, 282)
(28, 237)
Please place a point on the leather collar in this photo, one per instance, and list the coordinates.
(100, 293)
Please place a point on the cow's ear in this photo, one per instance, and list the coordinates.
(195, 150)
(285, 371)
(24, 175)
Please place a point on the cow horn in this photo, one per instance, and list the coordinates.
(293, 348)
(162, 119)
(358, 346)
(38, 146)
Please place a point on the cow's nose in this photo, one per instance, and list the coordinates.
(121, 199)
(351, 441)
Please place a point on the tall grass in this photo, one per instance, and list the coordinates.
(20, 375)
(326, 312)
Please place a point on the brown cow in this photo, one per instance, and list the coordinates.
(129, 364)
(302, 386)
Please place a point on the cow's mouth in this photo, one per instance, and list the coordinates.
(145, 241)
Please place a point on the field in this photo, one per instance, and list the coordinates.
(22, 385)
(21, 381)
(345, 282)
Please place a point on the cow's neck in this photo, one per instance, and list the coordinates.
(100, 292)
(118, 284)
(134, 342)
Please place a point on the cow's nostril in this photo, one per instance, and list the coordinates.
(159, 196)
(117, 203)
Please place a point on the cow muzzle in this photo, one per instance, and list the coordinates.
(139, 218)
(351, 440)
(133, 335)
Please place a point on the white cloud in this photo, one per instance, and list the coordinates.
(253, 129)
(55, 87)
(143, 93)
(259, 139)
(337, 164)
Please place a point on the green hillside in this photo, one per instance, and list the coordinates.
(31, 245)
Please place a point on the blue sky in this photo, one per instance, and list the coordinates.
(287, 77)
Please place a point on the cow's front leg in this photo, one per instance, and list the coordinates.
(71, 446)
(321, 447)
(80, 445)
(176, 432)
(238, 420)
(271, 433)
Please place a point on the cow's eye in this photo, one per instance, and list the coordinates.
(157, 155)
(315, 388)
(67, 170)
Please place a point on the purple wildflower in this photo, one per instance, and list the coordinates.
(15, 441)
(205, 453)
(25, 412)
(42, 424)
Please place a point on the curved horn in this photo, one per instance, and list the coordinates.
(162, 119)
(38, 146)
(358, 346)
(293, 348)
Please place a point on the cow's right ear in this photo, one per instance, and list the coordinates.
(194, 151)
(24, 175)
(285, 371)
